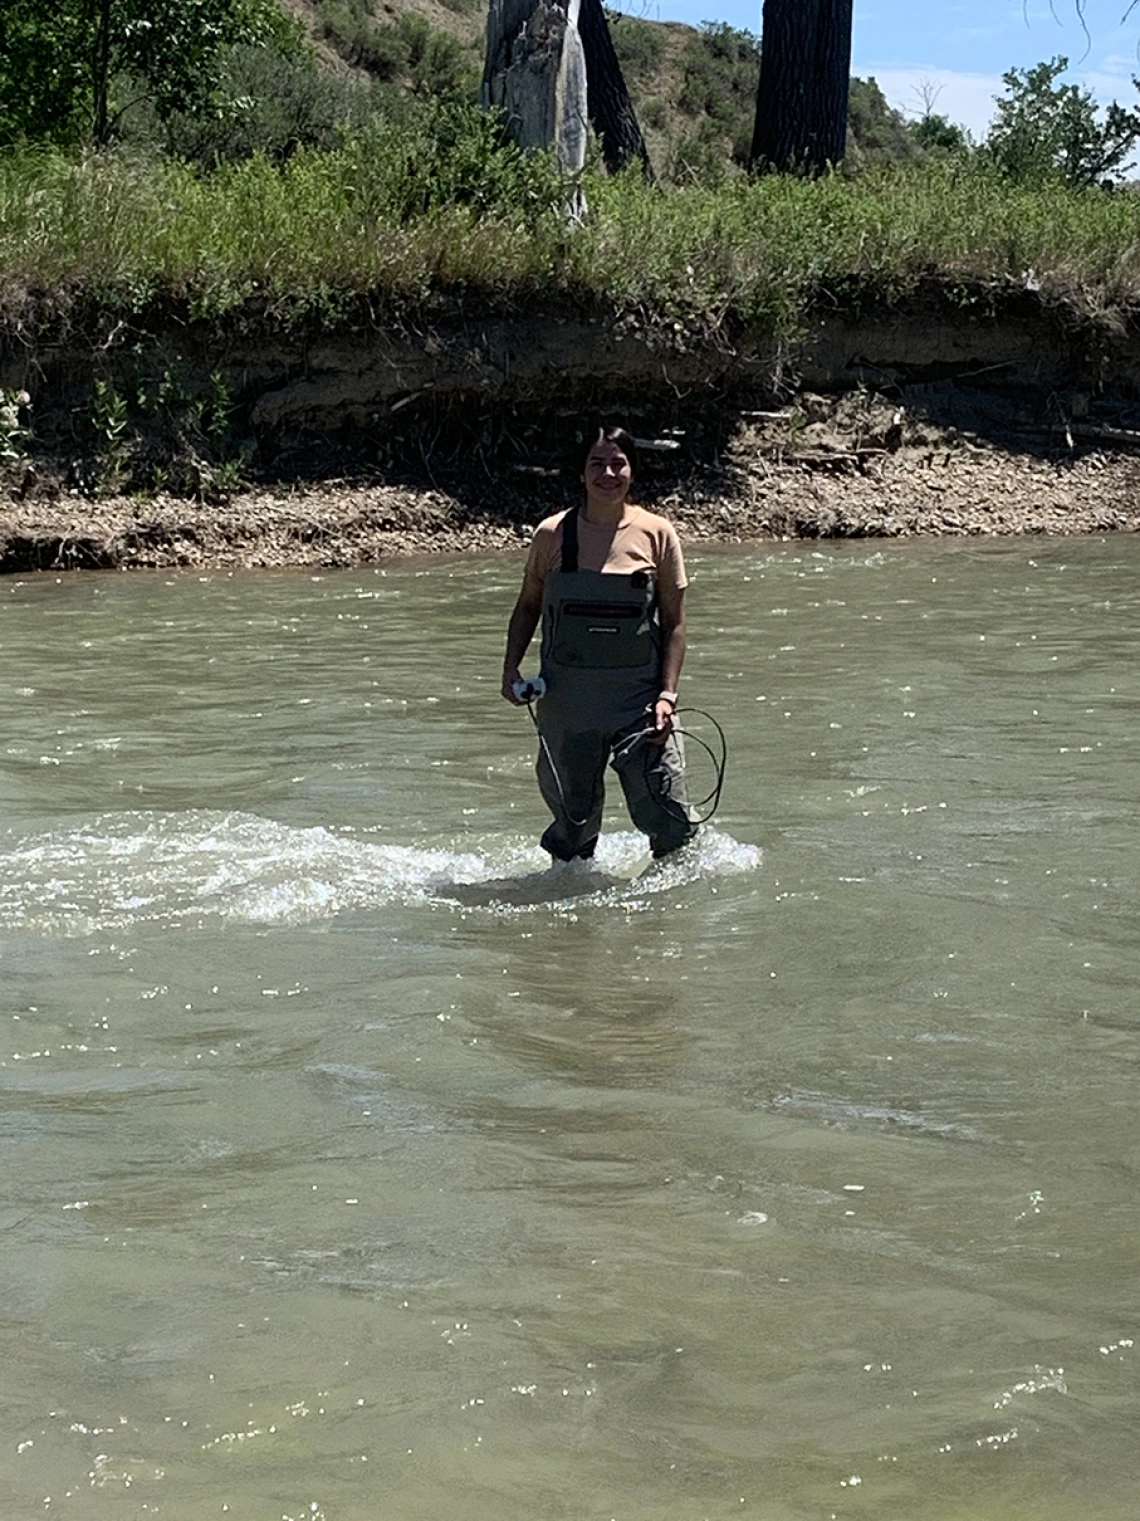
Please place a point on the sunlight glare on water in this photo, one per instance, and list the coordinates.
(361, 1164)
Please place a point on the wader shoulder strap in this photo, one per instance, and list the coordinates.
(570, 540)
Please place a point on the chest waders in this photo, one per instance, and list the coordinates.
(601, 660)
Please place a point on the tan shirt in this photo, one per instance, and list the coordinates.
(641, 541)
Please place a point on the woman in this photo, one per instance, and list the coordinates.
(607, 580)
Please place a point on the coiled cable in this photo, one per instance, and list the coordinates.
(688, 812)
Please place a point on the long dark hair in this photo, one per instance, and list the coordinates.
(619, 437)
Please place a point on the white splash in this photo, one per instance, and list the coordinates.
(136, 867)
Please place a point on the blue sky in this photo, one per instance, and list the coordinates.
(960, 48)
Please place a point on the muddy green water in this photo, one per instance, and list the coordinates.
(355, 1166)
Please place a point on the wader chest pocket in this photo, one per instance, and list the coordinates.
(603, 634)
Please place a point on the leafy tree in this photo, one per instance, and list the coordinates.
(42, 62)
(1045, 129)
(68, 68)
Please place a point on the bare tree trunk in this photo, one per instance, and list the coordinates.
(611, 110)
(801, 102)
(101, 75)
(536, 71)
(551, 66)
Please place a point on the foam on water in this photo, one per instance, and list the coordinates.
(135, 867)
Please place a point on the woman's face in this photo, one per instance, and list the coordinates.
(608, 474)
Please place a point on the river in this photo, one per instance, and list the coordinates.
(361, 1167)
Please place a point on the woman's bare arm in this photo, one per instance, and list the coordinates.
(671, 612)
(520, 631)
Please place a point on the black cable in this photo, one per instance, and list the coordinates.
(683, 811)
(686, 812)
(576, 823)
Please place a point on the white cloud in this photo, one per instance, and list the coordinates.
(1111, 79)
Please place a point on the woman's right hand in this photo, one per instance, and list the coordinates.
(512, 674)
(664, 720)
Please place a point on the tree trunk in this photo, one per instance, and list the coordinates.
(610, 108)
(101, 75)
(536, 71)
(801, 102)
(551, 66)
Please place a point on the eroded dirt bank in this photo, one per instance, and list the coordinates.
(992, 422)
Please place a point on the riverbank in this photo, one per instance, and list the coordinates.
(309, 364)
(819, 470)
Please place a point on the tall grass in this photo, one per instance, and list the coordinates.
(438, 207)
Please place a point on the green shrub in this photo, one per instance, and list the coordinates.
(721, 71)
(938, 135)
(267, 102)
(409, 49)
(14, 430)
(639, 45)
(435, 64)
(698, 156)
(876, 132)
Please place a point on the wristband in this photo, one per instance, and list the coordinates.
(667, 697)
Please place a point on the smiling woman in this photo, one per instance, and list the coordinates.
(607, 581)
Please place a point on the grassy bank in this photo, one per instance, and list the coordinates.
(437, 208)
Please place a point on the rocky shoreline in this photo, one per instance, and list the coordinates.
(822, 479)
